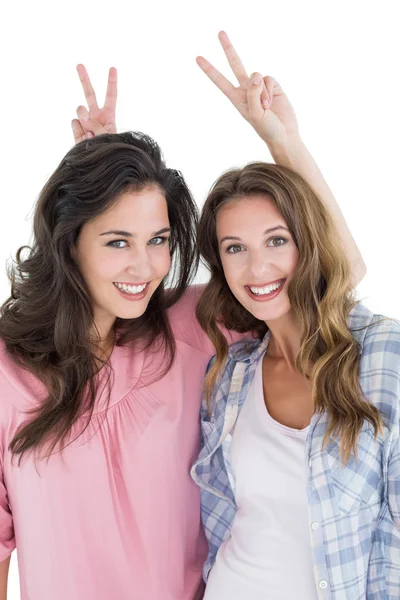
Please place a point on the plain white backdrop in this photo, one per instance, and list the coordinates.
(337, 61)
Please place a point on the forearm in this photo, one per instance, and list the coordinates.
(4, 567)
(295, 156)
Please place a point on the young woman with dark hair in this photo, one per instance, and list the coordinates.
(102, 364)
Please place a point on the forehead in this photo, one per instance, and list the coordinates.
(135, 210)
(248, 212)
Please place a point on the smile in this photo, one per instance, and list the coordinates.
(130, 289)
(265, 292)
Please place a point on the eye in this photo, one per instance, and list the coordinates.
(158, 241)
(275, 242)
(118, 244)
(234, 249)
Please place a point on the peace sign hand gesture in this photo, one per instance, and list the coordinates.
(95, 121)
(261, 101)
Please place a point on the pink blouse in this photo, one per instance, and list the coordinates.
(116, 516)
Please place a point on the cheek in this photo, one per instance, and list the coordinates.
(162, 263)
(293, 260)
(106, 266)
(233, 267)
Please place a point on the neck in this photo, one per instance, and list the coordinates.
(285, 339)
(105, 346)
(103, 338)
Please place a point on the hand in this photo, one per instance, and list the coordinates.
(95, 121)
(261, 101)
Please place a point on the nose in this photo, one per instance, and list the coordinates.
(139, 265)
(259, 263)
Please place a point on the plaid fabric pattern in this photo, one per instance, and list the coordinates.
(354, 510)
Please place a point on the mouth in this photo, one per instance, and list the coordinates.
(131, 291)
(265, 292)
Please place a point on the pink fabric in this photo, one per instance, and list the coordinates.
(116, 517)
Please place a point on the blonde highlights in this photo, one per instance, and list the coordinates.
(320, 294)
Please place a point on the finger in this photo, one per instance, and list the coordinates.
(273, 87)
(216, 77)
(255, 89)
(82, 113)
(111, 95)
(266, 96)
(77, 131)
(93, 126)
(233, 58)
(87, 87)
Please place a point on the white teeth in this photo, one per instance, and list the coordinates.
(130, 289)
(265, 290)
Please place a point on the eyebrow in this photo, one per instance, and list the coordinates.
(238, 239)
(128, 234)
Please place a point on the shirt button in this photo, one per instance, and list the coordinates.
(323, 584)
(315, 526)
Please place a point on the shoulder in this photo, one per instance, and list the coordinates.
(187, 329)
(374, 332)
(184, 309)
(184, 324)
(382, 336)
(380, 358)
(380, 364)
(243, 357)
(244, 351)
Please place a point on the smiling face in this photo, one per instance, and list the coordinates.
(258, 255)
(123, 255)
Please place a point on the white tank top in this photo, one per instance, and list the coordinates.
(268, 554)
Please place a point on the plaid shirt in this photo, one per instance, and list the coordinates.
(354, 510)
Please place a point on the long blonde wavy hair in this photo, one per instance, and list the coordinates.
(320, 295)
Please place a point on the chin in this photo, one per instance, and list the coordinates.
(269, 316)
(133, 313)
(267, 311)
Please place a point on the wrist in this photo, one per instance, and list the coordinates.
(286, 150)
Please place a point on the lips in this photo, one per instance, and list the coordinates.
(265, 292)
(132, 288)
(132, 296)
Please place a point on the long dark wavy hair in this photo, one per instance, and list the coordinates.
(320, 294)
(47, 322)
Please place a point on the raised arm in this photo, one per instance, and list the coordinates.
(263, 103)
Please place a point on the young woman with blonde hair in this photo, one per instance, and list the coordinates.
(300, 462)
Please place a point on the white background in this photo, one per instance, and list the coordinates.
(338, 61)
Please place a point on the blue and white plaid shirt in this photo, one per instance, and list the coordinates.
(354, 510)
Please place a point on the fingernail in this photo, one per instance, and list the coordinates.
(266, 103)
(257, 79)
